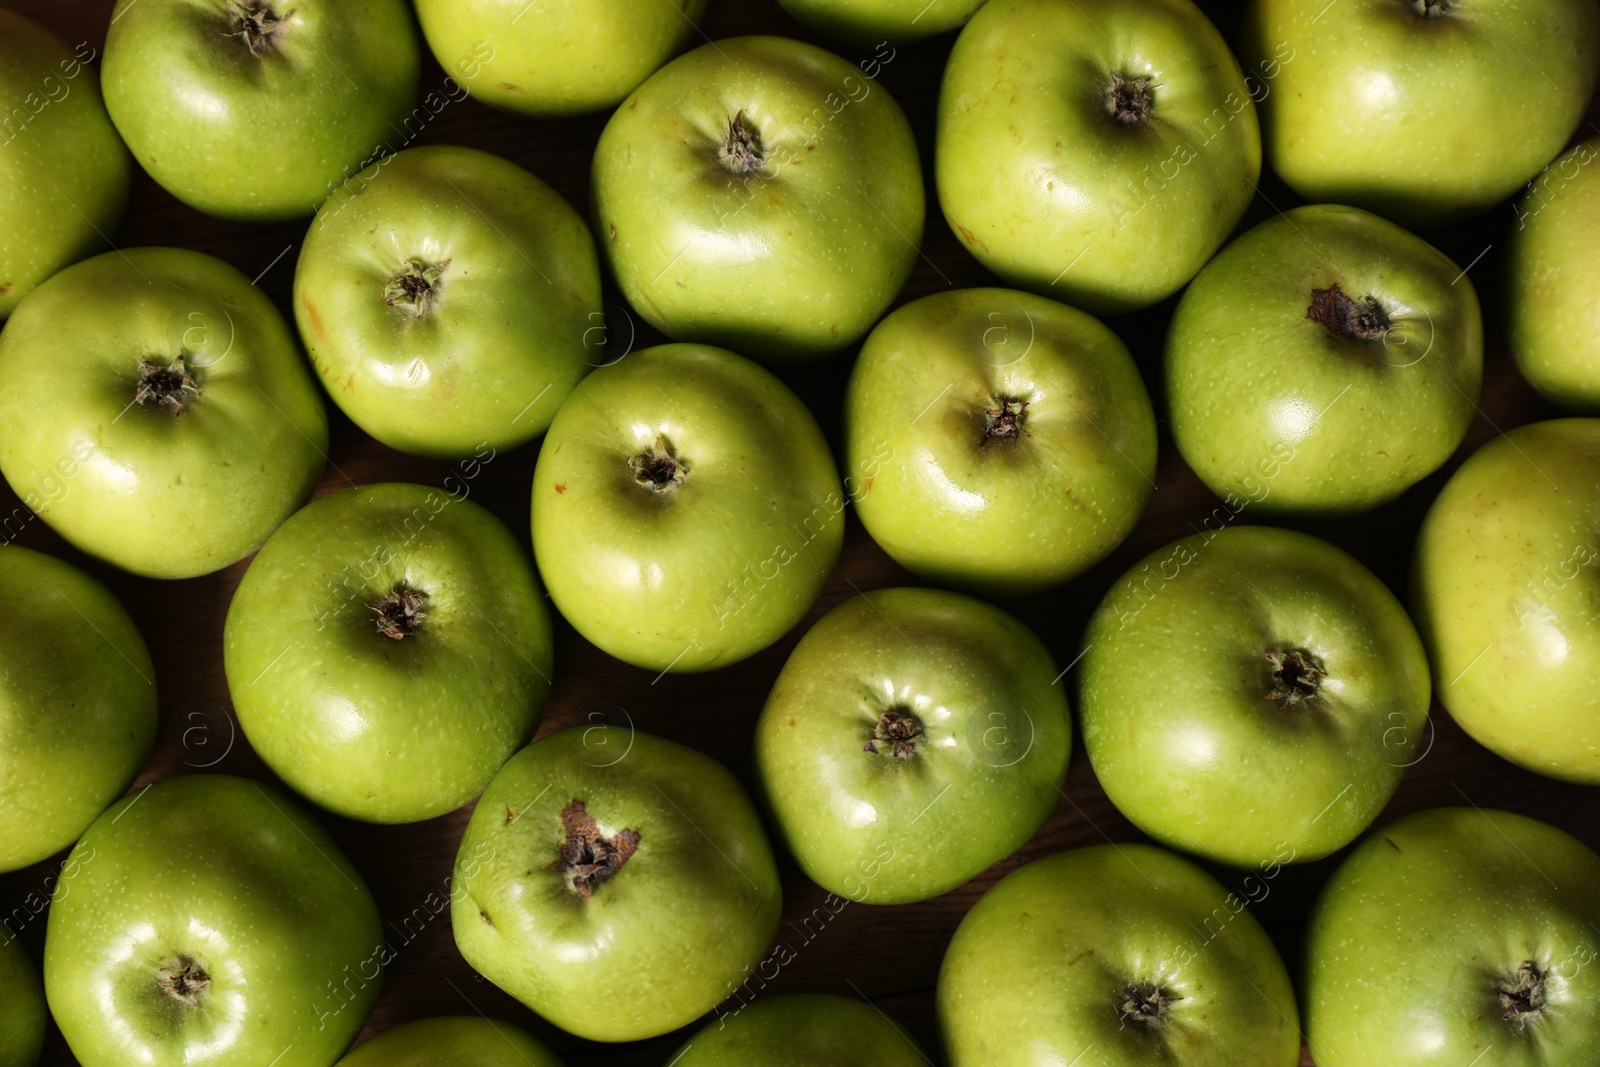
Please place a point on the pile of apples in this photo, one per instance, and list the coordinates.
(1249, 695)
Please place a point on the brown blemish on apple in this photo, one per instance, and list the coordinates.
(511, 816)
(972, 238)
(4, 289)
(313, 314)
(612, 227)
(1360, 319)
(561, 487)
(508, 87)
(1390, 842)
(1079, 956)
(587, 857)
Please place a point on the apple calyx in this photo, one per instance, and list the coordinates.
(166, 387)
(1296, 677)
(1522, 995)
(1433, 9)
(415, 288)
(183, 979)
(589, 858)
(400, 614)
(899, 731)
(658, 468)
(1344, 316)
(1145, 1005)
(1005, 420)
(741, 151)
(1129, 100)
(256, 23)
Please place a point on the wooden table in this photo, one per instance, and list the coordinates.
(888, 955)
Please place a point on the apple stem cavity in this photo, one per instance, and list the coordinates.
(1129, 100)
(183, 979)
(1296, 677)
(1344, 316)
(658, 468)
(1004, 421)
(256, 23)
(166, 387)
(896, 734)
(741, 151)
(589, 858)
(1145, 1005)
(1522, 995)
(400, 614)
(415, 288)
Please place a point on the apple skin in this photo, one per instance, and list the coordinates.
(267, 132)
(1047, 190)
(77, 704)
(1502, 590)
(157, 493)
(63, 167)
(509, 324)
(555, 59)
(449, 1041)
(1553, 305)
(702, 573)
(993, 732)
(790, 261)
(1177, 696)
(22, 1022)
(1042, 966)
(1412, 117)
(373, 726)
(1419, 930)
(802, 1030)
(660, 942)
(867, 22)
(957, 503)
(1257, 390)
(230, 876)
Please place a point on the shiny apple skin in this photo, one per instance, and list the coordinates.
(452, 1041)
(1409, 937)
(22, 1022)
(1503, 587)
(663, 940)
(1195, 752)
(77, 704)
(1269, 406)
(63, 167)
(993, 515)
(792, 262)
(1047, 191)
(1425, 121)
(996, 733)
(512, 323)
(233, 875)
(157, 494)
(802, 1030)
(259, 137)
(1037, 970)
(554, 59)
(716, 570)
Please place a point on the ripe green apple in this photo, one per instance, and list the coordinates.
(62, 165)
(996, 440)
(452, 1042)
(1250, 694)
(618, 884)
(1457, 936)
(22, 1020)
(1115, 956)
(157, 413)
(866, 22)
(555, 59)
(802, 1030)
(204, 930)
(450, 300)
(1323, 363)
(914, 738)
(388, 650)
(686, 512)
(259, 109)
(1094, 150)
(1554, 299)
(1503, 593)
(760, 193)
(1425, 111)
(77, 704)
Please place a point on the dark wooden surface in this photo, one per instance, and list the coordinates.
(888, 955)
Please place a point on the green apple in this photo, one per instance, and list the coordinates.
(204, 930)
(22, 1020)
(1114, 956)
(1250, 694)
(452, 1042)
(450, 300)
(914, 738)
(157, 413)
(1503, 593)
(1323, 363)
(996, 440)
(686, 512)
(618, 884)
(259, 109)
(77, 704)
(388, 650)
(1425, 111)
(62, 165)
(555, 59)
(802, 1030)
(1457, 936)
(1554, 299)
(760, 193)
(1094, 150)
(867, 22)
